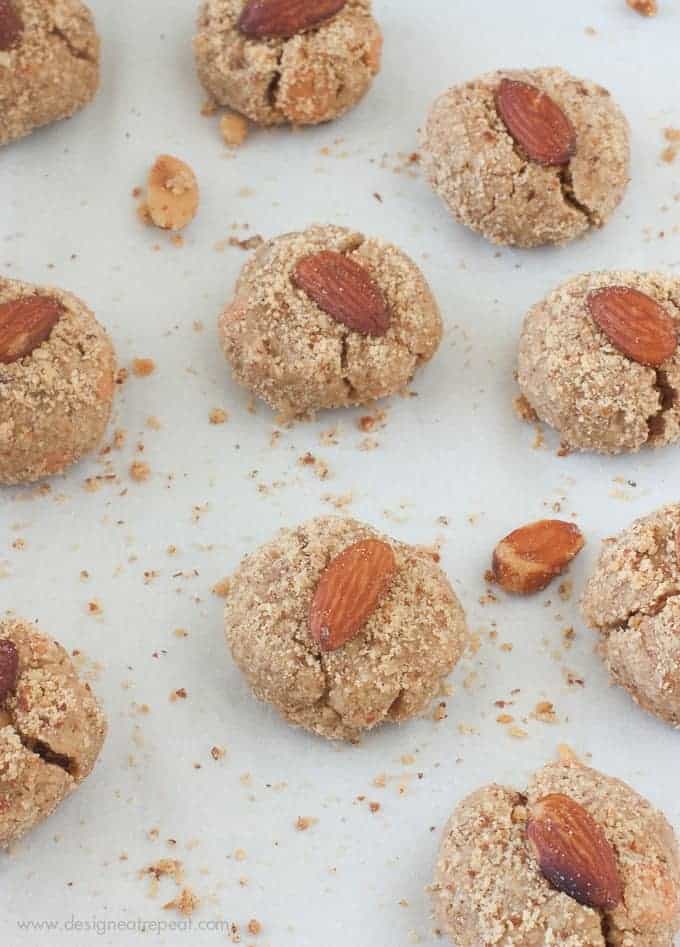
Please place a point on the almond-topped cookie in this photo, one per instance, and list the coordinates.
(49, 63)
(328, 318)
(341, 628)
(56, 381)
(528, 157)
(279, 61)
(599, 361)
(51, 728)
(578, 859)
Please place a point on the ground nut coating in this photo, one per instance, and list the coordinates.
(389, 671)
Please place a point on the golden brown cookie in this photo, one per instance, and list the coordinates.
(341, 628)
(528, 157)
(276, 62)
(51, 728)
(49, 63)
(56, 381)
(578, 860)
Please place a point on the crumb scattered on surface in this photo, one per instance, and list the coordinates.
(644, 7)
(234, 129)
(218, 416)
(140, 471)
(143, 367)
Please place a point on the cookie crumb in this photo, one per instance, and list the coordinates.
(143, 367)
(221, 588)
(305, 822)
(218, 416)
(234, 129)
(185, 903)
(644, 7)
(140, 471)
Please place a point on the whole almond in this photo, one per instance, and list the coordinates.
(344, 290)
(349, 590)
(11, 25)
(25, 324)
(634, 323)
(536, 122)
(573, 852)
(9, 667)
(263, 18)
(172, 193)
(527, 559)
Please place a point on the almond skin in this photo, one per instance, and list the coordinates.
(11, 25)
(283, 18)
(349, 590)
(25, 324)
(344, 290)
(536, 122)
(634, 323)
(9, 667)
(527, 559)
(573, 852)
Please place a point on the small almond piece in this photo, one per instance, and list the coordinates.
(172, 193)
(349, 590)
(536, 122)
(262, 18)
(344, 290)
(527, 559)
(25, 324)
(634, 323)
(644, 7)
(9, 667)
(573, 852)
(11, 25)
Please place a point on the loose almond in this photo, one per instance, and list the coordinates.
(573, 852)
(9, 667)
(536, 122)
(344, 290)
(263, 18)
(634, 323)
(349, 590)
(172, 193)
(25, 324)
(11, 25)
(527, 559)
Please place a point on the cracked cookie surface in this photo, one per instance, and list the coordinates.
(633, 600)
(55, 402)
(578, 382)
(489, 890)
(51, 731)
(299, 359)
(389, 672)
(52, 70)
(305, 79)
(476, 167)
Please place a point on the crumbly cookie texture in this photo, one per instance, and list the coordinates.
(56, 402)
(488, 889)
(299, 359)
(388, 672)
(582, 385)
(308, 78)
(51, 731)
(478, 170)
(633, 600)
(52, 70)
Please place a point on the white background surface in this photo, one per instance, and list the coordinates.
(456, 450)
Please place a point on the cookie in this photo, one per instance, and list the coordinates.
(279, 62)
(56, 381)
(633, 600)
(49, 63)
(341, 628)
(598, 361)
(328, 318)
(578, 860)
(528, 157)
(51, 728)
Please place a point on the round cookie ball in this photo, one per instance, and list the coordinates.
(579, 381)
(49, 63)
(388, 671)
(523, 195)
(51, 728)
(633, 600)
(489, 888)
(56, 381)
(302, 70)
(292, 352)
